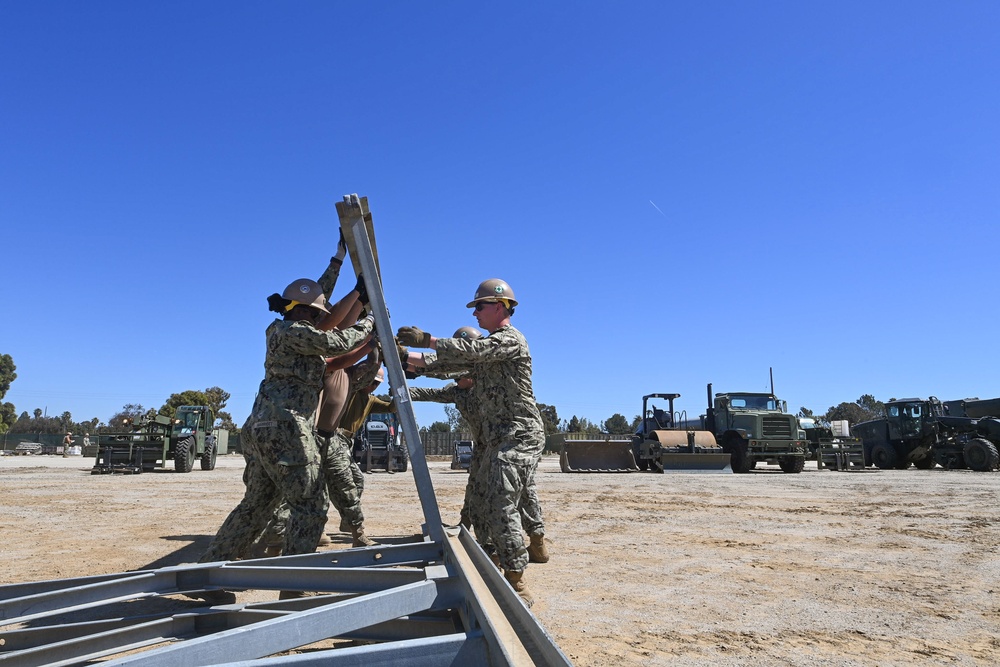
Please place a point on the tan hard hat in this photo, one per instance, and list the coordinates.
(492, 291)
(306, 292)
(468, 333)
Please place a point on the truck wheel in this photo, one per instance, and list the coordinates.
(884, 456)
(184, 455)
(209, 457)
(792, 464)
(981, 455)
(739, 460)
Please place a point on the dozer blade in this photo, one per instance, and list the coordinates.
(597, 456)
(689, 451)
(700, 463)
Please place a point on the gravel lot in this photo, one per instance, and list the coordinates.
(821, 568)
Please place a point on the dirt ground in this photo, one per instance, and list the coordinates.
(821, 568)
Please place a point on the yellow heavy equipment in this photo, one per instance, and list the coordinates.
(662, 443)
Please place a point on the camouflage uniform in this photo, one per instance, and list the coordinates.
(475, 493)
(511, 429)
(279, 440)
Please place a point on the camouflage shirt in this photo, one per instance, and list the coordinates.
(294, 367)
(464, 400)
(501, 365)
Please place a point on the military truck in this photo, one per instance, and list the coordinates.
(377, 445)
(918, 431)
(755, 428)
(150, 441)
(973, 407)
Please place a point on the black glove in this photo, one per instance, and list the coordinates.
(410, 375)
(341, 249)
(361, 290)
(413, 336)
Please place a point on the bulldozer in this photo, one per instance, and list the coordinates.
(150, 441)
(660, 444)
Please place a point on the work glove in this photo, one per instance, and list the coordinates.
(413, 336)
(404, 354)
(341, 249)
(410, 375)
(361, 290)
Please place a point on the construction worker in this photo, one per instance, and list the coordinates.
(344, 481)
(279, 439)
(67, 443)
(461, 393)
(511, 427)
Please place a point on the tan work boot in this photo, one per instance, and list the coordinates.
(324, 540)
(360, 539)
(516, 581)
(537, 552)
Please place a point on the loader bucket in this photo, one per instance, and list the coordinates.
(597, 456)
(689, 451)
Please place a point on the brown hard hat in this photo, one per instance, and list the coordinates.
(468, 333)
(306, 292)
(491, 291)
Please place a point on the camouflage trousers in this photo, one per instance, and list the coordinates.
(476, 492)
(282, 463)
(505, 482)
(344, 484)
(531, 510)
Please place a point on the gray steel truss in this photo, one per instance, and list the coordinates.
(438, 600)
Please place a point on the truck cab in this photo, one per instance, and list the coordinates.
(756, 428)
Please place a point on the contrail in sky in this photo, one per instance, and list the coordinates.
(658, 208)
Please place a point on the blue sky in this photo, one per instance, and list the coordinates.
(678, 192)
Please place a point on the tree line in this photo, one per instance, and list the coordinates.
(38, 422)
(865, 408)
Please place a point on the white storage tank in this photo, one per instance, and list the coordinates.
(841, 428)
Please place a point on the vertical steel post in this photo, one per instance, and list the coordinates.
(397, 381)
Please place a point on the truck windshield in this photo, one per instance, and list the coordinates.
(753, 402)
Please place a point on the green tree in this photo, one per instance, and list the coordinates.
(872, 406)
(805, 413)
(456, 422)
(864, 409)
(636, 423)
(8, 416)
(550, 419)
(574, 425)
(189, 397)
(440, 427)
(213, 397)
(217, 399)
(131, 411)
(7, 374)
(616, 424)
